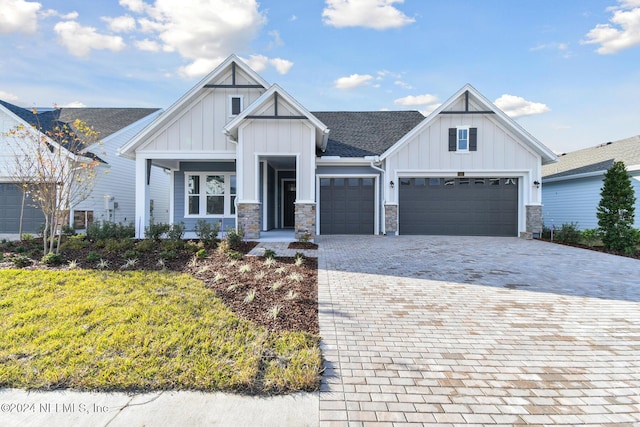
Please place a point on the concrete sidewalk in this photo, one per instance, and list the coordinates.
(19, 408)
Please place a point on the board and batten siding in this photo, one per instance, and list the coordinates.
(576, 200)
(282, 137)
(498, 150)
(199, 126)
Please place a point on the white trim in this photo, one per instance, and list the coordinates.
(265, 192)
(576, 176)
(342, 161)
(376, 201)
(226, 196)
(172, 182)
(196, 156)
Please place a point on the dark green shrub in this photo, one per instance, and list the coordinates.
(110, 230)
(170, 254)
(52, 259)
(21, 261)
(568, 233)
(117, 246)
(299, 255)
(207, 232)
(146, 245)
(131, 254)
(176, 232)
(156, 231)
(67, 230)
(93, 256)
(234, 254)
(269, 253)
(20, 249)
(234, 238)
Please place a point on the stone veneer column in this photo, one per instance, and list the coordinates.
(305, 220)
(249, 219)
(391, 219)
(534, 220)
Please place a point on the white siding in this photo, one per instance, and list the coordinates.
(198, 127)
(268, 137)
(117, 180)
(7, 159)
(498, 150)
(576, 200)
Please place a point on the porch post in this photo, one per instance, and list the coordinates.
(142, 197)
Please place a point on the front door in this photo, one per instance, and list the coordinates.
(288, 205)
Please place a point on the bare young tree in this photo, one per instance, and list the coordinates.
(52, 165)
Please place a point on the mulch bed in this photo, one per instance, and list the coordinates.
(297, 298)
(303, 245)
(595, 248)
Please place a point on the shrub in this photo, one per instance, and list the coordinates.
(20, 249)
(67, 230)
(156, 231)
(568, 233)
(116, 246)
(93, 256)
(52, 259)
(304, 238)
(234, 238)
(21, 261)
(145, 245)
(110, 230)
(75, 243)
(27, 237)
(170, 254)
(590, 236)
(269, 253)
(207, 232)
(131, 254)
(202, 253)
(176, 232)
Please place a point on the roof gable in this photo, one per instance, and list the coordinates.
(268, 107)
(595, 160)
(468, 100)
(232, 72)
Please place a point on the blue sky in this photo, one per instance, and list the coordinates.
(568, 71)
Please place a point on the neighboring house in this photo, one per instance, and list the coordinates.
(571, 187)
(113, 195)
(246, 153)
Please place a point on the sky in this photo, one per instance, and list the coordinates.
(567, 71)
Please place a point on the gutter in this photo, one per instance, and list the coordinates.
(383, 180)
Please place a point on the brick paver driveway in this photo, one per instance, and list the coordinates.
(461, 330)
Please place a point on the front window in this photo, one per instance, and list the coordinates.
(463, 139)
(211, 194)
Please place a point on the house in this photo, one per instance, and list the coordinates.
(571, 187)
(113, 195)
(245, 153)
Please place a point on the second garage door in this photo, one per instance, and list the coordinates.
(459, 206)
(347, 205)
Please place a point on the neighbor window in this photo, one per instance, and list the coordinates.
(210, 194)
(82, 219)
(463, 139)
(235, 105)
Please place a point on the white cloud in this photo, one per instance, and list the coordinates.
(377, 14)
(414, 100)
(623, 31)
(7, 96)
(19, 16)
(282, 66)
(120, 24)
(403, 85)
(148, 45)
(137, 6)
(353, 81)
(81, 40)
(516, 106)
(427, 101)
(64, 16)
(202, 31)
(199, 67)
(277, 40)
(74, 104)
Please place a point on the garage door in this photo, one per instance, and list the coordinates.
(347, 205)
(459, 206)
(10, 204)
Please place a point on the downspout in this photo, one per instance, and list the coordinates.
(383, 180)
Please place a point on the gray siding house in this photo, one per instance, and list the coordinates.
(245, 153)
(571, 187)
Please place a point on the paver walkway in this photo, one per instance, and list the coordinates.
(485, 331)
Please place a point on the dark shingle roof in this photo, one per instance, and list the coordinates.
(595, 159)
(105, 121)
(369, 133)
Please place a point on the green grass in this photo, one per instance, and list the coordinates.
(136, 331)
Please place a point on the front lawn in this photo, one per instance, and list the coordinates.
(140, 331)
